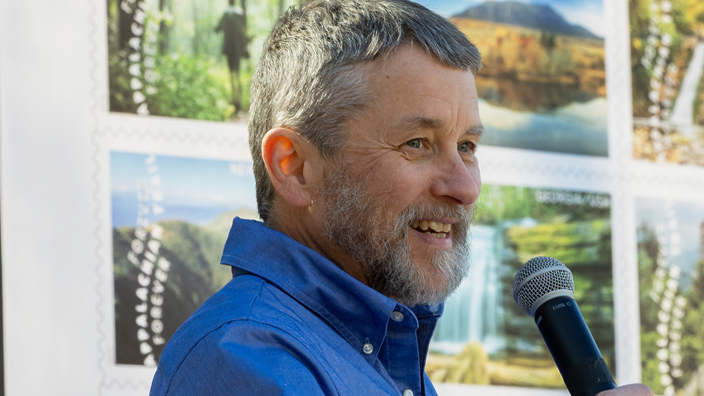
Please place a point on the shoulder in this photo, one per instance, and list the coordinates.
(245, 336)
(246, 358)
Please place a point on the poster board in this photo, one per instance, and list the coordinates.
(92, 156)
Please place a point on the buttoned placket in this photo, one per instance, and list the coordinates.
(399, 353)
(361, 316)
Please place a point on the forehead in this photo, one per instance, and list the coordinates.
(411, 88)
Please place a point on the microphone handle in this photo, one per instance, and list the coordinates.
(572, 347)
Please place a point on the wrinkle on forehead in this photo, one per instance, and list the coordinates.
(421, 122)
(424, 122)
(412, 91)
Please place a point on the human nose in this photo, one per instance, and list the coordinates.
(458, 181)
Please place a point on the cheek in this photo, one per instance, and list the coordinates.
(403, 187)
(392, 178)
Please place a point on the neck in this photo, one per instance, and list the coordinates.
(301, 226)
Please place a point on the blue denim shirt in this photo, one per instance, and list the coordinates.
(292, 323)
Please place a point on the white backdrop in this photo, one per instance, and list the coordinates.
(56, 134)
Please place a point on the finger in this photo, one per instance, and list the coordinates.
(629, 390)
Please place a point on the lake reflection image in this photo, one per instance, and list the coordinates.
(542, 116)
(543, 84)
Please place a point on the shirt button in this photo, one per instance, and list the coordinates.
(408, 392)
(397, 316)
(368, 348)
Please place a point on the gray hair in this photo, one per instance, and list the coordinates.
(306, 79)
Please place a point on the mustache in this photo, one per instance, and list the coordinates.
(426, 211)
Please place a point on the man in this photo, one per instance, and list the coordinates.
(233, 24)
(364, 126)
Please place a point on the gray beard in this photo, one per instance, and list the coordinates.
(363, 227)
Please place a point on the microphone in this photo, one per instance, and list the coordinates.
(544, 289)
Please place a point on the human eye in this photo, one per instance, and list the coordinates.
(466, 147)
(415, 143)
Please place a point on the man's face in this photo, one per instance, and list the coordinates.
(400, 198)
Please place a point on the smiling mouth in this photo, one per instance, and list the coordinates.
(437, 229)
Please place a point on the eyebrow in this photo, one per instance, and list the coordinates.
(476, 130)
(420, 122)
(434, 123)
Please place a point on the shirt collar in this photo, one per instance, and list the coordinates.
(357, 312)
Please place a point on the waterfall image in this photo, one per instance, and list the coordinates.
(483, 337)
(474, 311)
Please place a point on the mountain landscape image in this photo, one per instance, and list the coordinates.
(195, 274)
(533, 43)
(543, 84)
(539, 17)
(171, 216)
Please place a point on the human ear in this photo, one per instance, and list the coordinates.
(285, 155)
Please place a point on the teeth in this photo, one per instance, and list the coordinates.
(442, 235)
(438, 227)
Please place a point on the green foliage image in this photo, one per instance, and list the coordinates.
(186, 87)
(190, 87)
(167, 58)
(672, 342)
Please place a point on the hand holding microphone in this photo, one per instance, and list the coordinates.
(544, 289)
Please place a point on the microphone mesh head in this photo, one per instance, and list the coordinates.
(538, 277)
